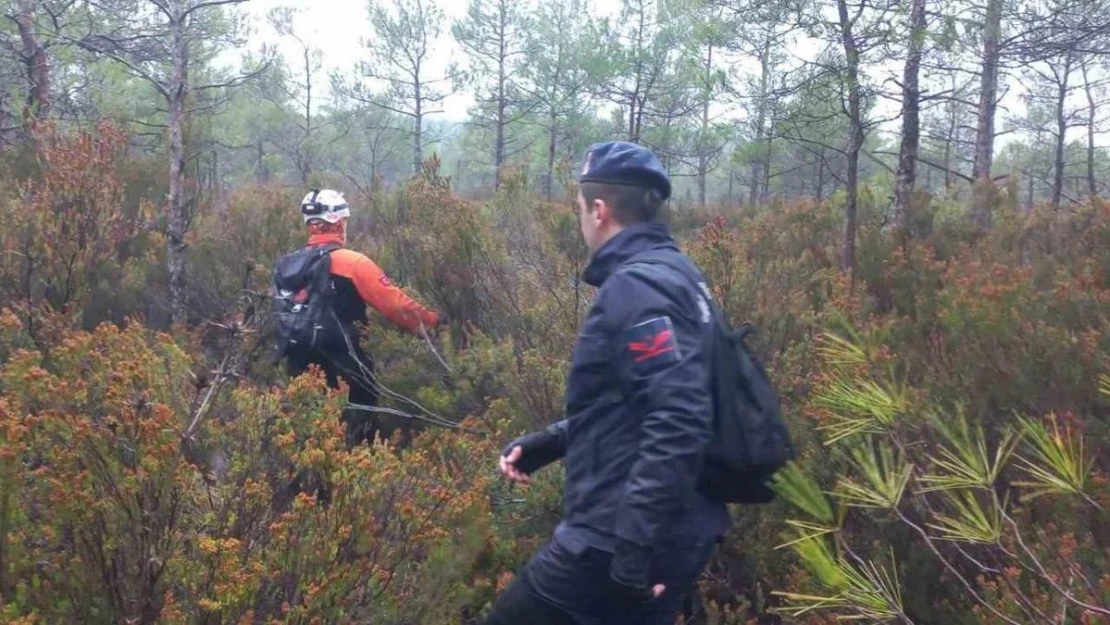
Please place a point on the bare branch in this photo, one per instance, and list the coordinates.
(930, 163)
(86, 44)
(238, 80)
(163, 7)
(208, 4)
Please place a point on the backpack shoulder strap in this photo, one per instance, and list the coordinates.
(667, 259)
(328, 248)
(292, 268)
(322, 250)
(684, 269)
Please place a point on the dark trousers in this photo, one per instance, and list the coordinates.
(362, 425)
(357, 371)
(563, 585)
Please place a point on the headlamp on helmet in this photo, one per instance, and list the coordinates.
(325, 204)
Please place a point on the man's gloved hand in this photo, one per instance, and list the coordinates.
(536, 450)
(630, 571)
(442, 321)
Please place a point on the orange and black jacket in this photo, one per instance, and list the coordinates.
(359, 281)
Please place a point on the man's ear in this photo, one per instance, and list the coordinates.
(601, 211)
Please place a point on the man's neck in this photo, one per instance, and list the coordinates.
(324, 238)
(608, 236)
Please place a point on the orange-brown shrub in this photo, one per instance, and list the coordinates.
(107, 512)
(107, 518)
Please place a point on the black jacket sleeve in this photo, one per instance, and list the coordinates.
(662, 366)
(539, 449)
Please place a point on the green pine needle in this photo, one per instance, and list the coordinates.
(858, 407)
(885, 477)
(806, 531)
(1058, 464)
(838, 351)
(971, 523)
(870, 593)
(818, 558)
(966, 462)
(801, 491)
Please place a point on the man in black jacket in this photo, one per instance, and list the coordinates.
(636, 533)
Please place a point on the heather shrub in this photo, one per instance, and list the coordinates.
(235, 245)
(975, 326)
(69, 238)
(127, 522)
(950, 406)
(979, 523)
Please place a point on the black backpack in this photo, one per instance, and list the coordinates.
(302, 292)
(750, 439)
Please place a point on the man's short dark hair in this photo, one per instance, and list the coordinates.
(630, 204)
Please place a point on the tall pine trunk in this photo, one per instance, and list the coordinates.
(767, 158)
(911, 124)
(988, 95)
(636, 105)
(417, 140)
(499, 148)
(821, 176)
(549, 182)
(38, 65)
(1030, 191)
(178, 203)
(703, 153)
(757, 172)
(760, 129)
(418, 123)
(1092, 107)
(948, 139)
(306, 165)
(262, 173)
(855, 138)
(1061, 133)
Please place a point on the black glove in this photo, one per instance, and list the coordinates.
(538, 449)
(629, 572)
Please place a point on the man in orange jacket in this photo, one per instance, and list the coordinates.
(355, 281)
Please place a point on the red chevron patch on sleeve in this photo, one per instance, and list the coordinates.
(662, 343)
(652, 341)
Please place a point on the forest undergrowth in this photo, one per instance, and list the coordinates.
(951, 400)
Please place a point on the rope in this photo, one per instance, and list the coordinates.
(432, 347)
(371, 380)
(431, 418)
(408, 415)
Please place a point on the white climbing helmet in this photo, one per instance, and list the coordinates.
(324, 204)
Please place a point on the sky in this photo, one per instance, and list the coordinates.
(339, 27)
